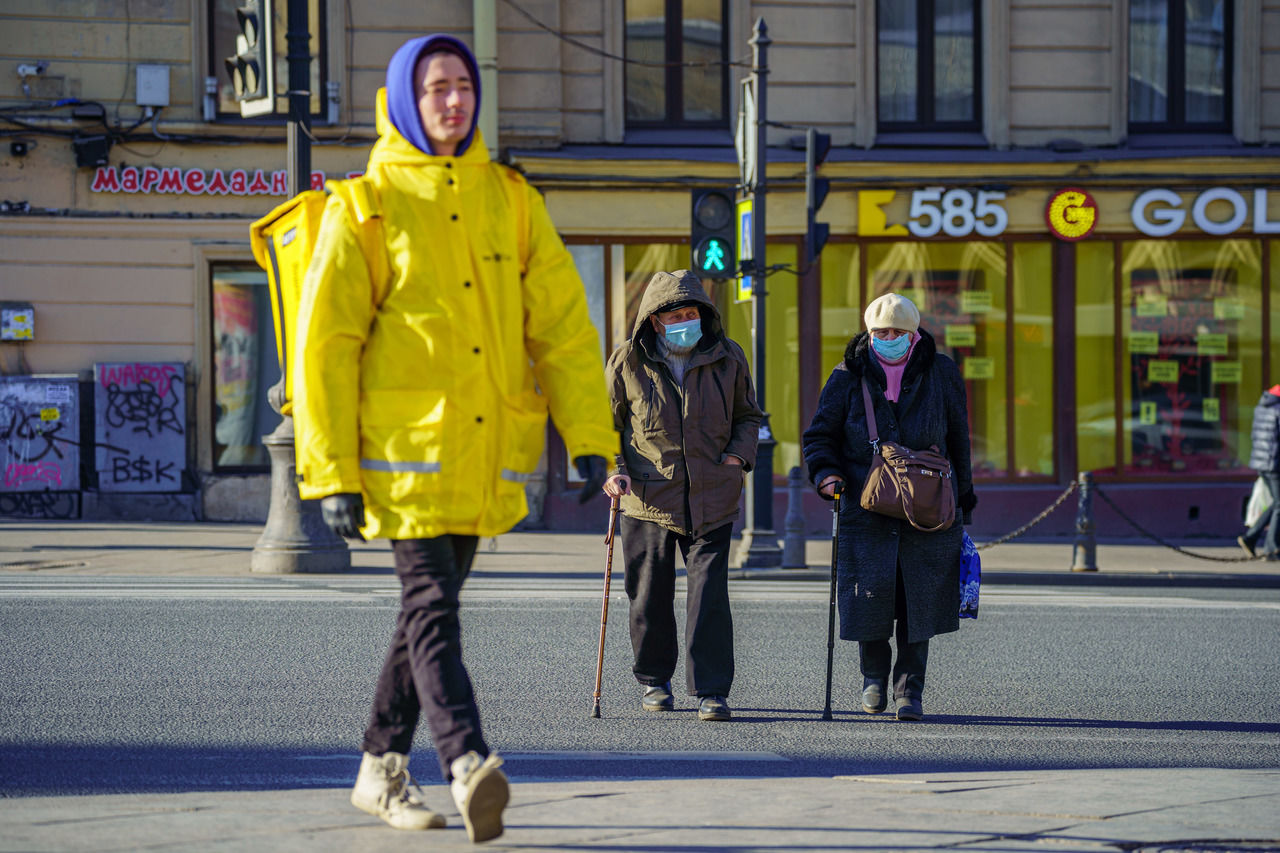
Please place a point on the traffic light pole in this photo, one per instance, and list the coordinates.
(298, 41)
(295, 537)
(760, 547)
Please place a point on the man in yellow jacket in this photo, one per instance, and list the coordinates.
(422, 387)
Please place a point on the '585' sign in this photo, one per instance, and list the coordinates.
(934, 210)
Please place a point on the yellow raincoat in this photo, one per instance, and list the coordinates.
(428, 392)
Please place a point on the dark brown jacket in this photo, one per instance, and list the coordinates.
(675, 439)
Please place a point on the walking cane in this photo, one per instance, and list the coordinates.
(604, 607)
(831, 608)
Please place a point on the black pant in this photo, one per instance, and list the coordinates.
(1269, 520)
(423, 669)
(913, 658)
(650, 552)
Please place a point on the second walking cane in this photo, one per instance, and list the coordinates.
(604, 607)
(831, 609)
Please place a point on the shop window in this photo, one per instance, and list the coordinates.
(683, 79)
(927, 69)
(223, 27)
(782, 355)
(1170, 366)
(960, 290)
(1096, 424)
(1192, 367)
(245, 365)
(1179, 65)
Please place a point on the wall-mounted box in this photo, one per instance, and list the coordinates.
(17, 321)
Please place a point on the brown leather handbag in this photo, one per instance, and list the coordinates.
(914, 485)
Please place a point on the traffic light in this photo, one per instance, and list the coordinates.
(253, 68)
(817, 145)
(711, 236)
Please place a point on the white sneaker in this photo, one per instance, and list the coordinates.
(383, 790)
(480, 792)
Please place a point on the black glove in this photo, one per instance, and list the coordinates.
(344, 513)
(594, 470)
(967, 502)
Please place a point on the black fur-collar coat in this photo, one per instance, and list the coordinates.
(930, 411)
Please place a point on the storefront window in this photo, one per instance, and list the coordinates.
(1191, 369)
(244, 367)
(960, 291)
(1033, 411)
(1274, 251)
(841, 304)
(1095, 356)
(782, 355)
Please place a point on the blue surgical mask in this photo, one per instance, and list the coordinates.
(684, 334)
(891, 350)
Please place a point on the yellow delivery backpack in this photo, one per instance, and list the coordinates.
(284, 240)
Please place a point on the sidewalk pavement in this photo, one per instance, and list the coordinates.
(1021, 810)
(217, 549)
(987, 810)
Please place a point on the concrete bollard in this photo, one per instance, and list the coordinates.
(1084, 553)
(793, 541)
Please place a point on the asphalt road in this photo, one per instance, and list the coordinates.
(116, 685)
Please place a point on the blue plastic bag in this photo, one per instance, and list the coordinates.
(970, 578)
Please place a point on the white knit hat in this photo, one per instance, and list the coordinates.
(892, 311)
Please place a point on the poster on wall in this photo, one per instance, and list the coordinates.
(40, 446)
(140, 426)
(1181, 340)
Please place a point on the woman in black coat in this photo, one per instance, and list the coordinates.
(887, 570)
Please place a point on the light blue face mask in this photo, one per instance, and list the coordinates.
(891, 350)
(684, 334)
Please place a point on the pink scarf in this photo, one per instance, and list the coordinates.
(893, 370)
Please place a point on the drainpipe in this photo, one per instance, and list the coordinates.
(484, 15)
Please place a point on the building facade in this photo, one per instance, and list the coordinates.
(1083, 197)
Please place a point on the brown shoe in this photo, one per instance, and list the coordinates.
(1244, 543)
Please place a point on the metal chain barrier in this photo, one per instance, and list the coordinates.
(1138, 527)
(1030, 524)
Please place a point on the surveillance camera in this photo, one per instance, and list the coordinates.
(32, 69)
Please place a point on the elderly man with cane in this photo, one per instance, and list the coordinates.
(422, 397)
(684, 403)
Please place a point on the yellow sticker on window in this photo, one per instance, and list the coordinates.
(1162, 371)
(975, 301)
(1152, 306)
(50, 414)
(1228, 309)
(979, 368)
(962, 335)
(1146, 343)
(1211, 410)
(1224, 373)
(1211, 343)
(1147, 413)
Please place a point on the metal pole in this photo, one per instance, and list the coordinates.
(298, 42)
(793, 541)
(295, 537)
(1084, 553)
(759, 547)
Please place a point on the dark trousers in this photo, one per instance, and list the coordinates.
(913, 658)
(650, 553)
(1270, 519)
(423, 669)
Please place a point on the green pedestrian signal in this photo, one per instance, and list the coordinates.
(711, 257)
(711, 233)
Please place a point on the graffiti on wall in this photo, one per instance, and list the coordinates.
(39, 434)
(140, 418)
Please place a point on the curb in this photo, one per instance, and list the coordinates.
(1169, 580)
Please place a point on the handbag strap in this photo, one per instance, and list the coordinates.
(871, 417)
